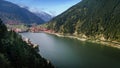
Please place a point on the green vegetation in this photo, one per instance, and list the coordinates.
(92, 18)
(15, 53)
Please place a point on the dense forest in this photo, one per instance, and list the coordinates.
(15, 53)
(94, 19)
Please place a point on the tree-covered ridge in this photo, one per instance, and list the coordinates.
(13, 14)
(15, 53)
(91, 18)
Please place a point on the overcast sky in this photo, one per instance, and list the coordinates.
(53, 7)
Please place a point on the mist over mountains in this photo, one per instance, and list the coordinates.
(13, 14)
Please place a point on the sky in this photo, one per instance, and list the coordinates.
(53, 7)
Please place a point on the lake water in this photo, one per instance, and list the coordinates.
(72, 53)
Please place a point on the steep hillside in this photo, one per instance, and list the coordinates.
(94, 19)
(13, 14)
(15, 53)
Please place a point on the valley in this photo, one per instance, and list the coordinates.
(59, 34)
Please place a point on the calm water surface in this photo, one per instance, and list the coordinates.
(72, 53)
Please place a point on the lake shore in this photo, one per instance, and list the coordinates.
(65, 52)
(106, 43)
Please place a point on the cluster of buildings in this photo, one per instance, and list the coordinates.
(39, 29)
(17, 30)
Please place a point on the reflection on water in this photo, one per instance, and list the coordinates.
(72, 53)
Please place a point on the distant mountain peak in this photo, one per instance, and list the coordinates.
(12, 13)
(45, 16)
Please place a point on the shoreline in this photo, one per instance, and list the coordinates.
(105, 43)
(35, 46)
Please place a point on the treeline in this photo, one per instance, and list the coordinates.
(93, 18)
(15, 53)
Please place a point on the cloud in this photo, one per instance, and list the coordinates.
(23, 6)
(53, 7)
(53, 13)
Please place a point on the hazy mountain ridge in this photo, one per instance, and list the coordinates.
(13, 14)
(90, 18)
(45, 16)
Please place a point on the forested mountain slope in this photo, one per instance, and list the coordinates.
(98, 19)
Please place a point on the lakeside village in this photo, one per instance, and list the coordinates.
(27, 40)
(33, 29)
